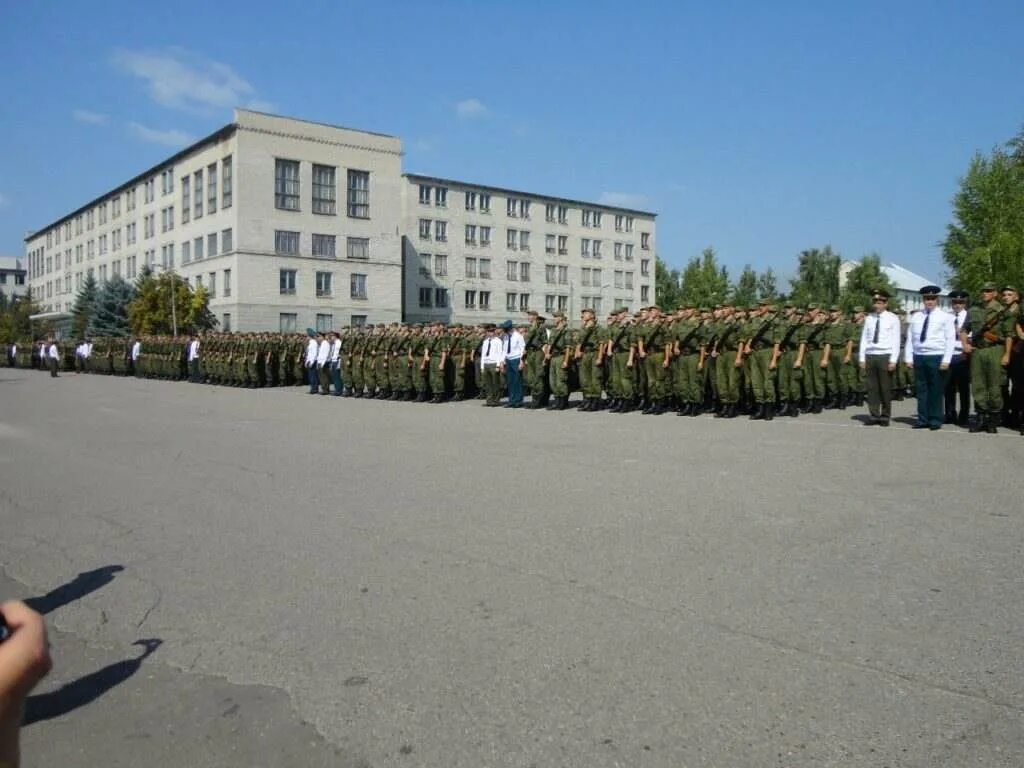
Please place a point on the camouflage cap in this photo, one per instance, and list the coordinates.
(558, 314)
(811, 307)
(990, 287)
(1010, 288)
(858, 309)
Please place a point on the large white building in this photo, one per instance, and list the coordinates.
(13, 280)
(289, 223)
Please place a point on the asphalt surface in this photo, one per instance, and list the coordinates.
(392, 584)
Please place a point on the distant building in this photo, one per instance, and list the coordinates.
(13, 280)
(907, 284)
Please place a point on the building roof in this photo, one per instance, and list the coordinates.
(505, 191)
(905, 280)
(11, 263)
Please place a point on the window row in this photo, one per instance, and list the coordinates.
(197, 199)
(289, 243)
(288, 189)
(324, 283)
(288, 322)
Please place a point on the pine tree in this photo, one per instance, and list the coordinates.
(85, 301)
(110, 309)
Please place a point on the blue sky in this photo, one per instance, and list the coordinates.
(757, 128)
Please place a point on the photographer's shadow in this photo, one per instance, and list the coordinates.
(82, 585)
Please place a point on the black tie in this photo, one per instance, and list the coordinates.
(508, 344)
(878, 324)
(924, 328)
(488, 352)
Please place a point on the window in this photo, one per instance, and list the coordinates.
(563, 275)
(645, 241)
(644, 293)
(425, 263)
(441, 298)
(470, 267)
(78, 225)
(323, 283)
(549, 243)
(167, 182)
(211, 244)
(485, 299)
(115, 210)
(629, 251)
(211, 188)
(286, 242)
(186, 199)
(617, 248)
(511, 208)
(485, 236)
(227, 282)
(597, 278)
(441, 197)
(90, 249)
(597, 219)
(324, 247)
(471, 201)
(226, 184)
(485, 202)
(325, 194)
(287, 282)
(149, 223)
(67, 278)
(358, 247)
(426, 297)
(563, 245)
(197, 184)
(563, 214)
(225, 322)
(618, 222)
(597, 249)
(563, 303)
(359, 194)
(90, 222)
(357, 286)
(103, 220)
(286, 184)
(103, 247)
(524, 272)
(324, 322)
(585, 277)
(227, 243)
(585, 248)
(470, 234)
(618, 278)
(197, 249)
(645, 267)
(213, 285)
(629, 223)
(357, 321)
(470, 299)
(166, 256)
(440, 231)
(549, 273)
(585, 217)
(549, 302)
(510, 302)
(167, 219)
(288, 322)
(511, 239)
(512, 270)
(485, 269)
(131, 197)
(549, 212)
(186, 252)
(629, 280)
(425, 229)
(78, 254)
(524, 240)
(424, 194)
(115, 243)
(524, 302)
(440, 266)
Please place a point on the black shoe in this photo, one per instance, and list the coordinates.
(769, 412)
(920, 425)
(815, 406)
(883, 422)
(992, 424)
(980, 423)
(784, 408)
(696, 410)
(757, 414)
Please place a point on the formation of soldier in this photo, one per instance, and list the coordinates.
(759, 361)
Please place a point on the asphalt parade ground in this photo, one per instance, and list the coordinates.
(267, 578)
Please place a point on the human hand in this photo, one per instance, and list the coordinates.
(943, 366)
(24, 661)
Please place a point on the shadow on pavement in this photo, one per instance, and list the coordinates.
(86, 689)
(77, 588)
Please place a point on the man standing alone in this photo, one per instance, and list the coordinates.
(193, 359)
(53, 358)
(879, 351)
(929, 350)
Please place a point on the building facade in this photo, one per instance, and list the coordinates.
(290, 224)
(908, 285)
(13, 277)
(477, 253)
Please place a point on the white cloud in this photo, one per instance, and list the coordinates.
(179, 79)
(89, 117)
(623, 200)
(169, 138)
(469, 109)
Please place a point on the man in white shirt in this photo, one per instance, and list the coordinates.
(492, 355)
(514, 345)
(136, 351)
(312, 350)
(958, 382)
(193, 359)
(879, 352)
(929, 350)
(323, 364)
(335, 362)
(87, 354)
(80, 357)
(53, 358)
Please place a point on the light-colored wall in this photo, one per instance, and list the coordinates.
(457, 217)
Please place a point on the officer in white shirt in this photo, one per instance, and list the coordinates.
(492, 354)
(958, 381)
(930, 344)
(53, 358)
(878, 355)
(513, 348)
(193, 359)
(312, 350)
(80, 357)
(323, 365)
(136, 351)
(87, 353)
(335, 362)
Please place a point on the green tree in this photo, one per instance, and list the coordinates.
(150, 311)
(862, 280)
(82, 310)
(15, 324)
(744, 292)
(817, 277)
(703, 281)
(110, 309)
(666, 285)
(985, 241)
(766, 285)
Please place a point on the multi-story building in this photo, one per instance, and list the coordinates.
(291, 224)
(13, 281)
(478, 253)
(286, 223)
